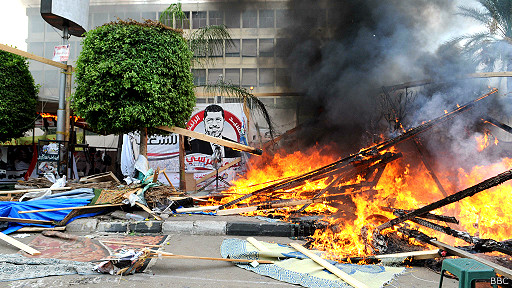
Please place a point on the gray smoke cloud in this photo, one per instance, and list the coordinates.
(340, 54)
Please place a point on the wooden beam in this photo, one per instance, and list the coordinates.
(73, 208)
(215, 140)
(34, 190)
(40, 229)
(234, 211)
(213, 173)
(23, 220)
(342, 275)
(32, 56)
(461, 253)
(19, 244)
(168, 180)
(145, 208)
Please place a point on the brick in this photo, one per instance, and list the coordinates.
(82, 225)
(178, 227)
(209, 228)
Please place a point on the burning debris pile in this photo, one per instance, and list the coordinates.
(367, 198)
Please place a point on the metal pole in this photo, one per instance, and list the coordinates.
(61, 112)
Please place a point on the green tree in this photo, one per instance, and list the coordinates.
(492, 47)
(18, 94)
(133, 76)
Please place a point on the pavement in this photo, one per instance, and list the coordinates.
(199, 235)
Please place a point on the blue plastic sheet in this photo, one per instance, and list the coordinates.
(11, 209)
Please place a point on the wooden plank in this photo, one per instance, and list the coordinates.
(213, 173)
(19, 244)
(197, 209)
(23, 220)
(32, 56)
(417, 255)
(35, 190)
(72, 208)
(102, 177)
(130, 243)
(155, 175)
(40, 229)
(461, 253)
(342, 275)
(258, 244)
(215, 140)
(145, 208)
(175, 256)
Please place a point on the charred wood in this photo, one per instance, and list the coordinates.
(498, 124)
(430, 171)
(484, 185)
(400, 212)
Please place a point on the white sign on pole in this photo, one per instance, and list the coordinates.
(61, 53)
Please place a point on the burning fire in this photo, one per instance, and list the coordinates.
(402, 185)
(484, 140)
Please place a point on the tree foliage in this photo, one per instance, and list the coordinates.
(133, 75)
(18, 94)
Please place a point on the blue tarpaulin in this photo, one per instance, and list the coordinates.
(11, 209)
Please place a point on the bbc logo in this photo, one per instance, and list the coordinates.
(501, 281)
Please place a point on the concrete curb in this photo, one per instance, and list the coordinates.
(191, 227)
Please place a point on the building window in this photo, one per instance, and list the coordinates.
(233, 19)
(198, 19)
(216, 18)
(185, 23)
(280, 48)
(199, 77)
(233, 48)
(281, 18)
(249, 77)
(214, 75)
(233, 76)
(266, 18)
(249, 48)
(266, 77)
(249, 19)
(282, 77)
(266, 47)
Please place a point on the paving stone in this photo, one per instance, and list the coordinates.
(82, 225)
(178, 226)
(145, 226)
(209, 228)
(118, 227)
(277, 229)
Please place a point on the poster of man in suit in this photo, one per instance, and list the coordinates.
(213, 121)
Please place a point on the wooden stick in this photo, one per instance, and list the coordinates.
(19, 244)
(145, 208)
(40, 229)
(73, 208)
(155, 175)
(258, 244)
(35, 189)
(170, 255)
(23, 220)
(131, 243)
(213, 173)
(215, 140)
(342, 275)
(33, 57)
(196, 209)
(168, 180)
(234, 211)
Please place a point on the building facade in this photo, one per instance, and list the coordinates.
(253, 61)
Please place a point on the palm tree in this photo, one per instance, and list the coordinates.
(491, 48)
(205, 42)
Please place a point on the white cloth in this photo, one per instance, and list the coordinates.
(127, 158)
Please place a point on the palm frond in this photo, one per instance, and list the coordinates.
(208, 41)
(479, 15)
(231, 90)
(172, 12)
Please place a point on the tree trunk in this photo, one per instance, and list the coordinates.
(143, 149)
